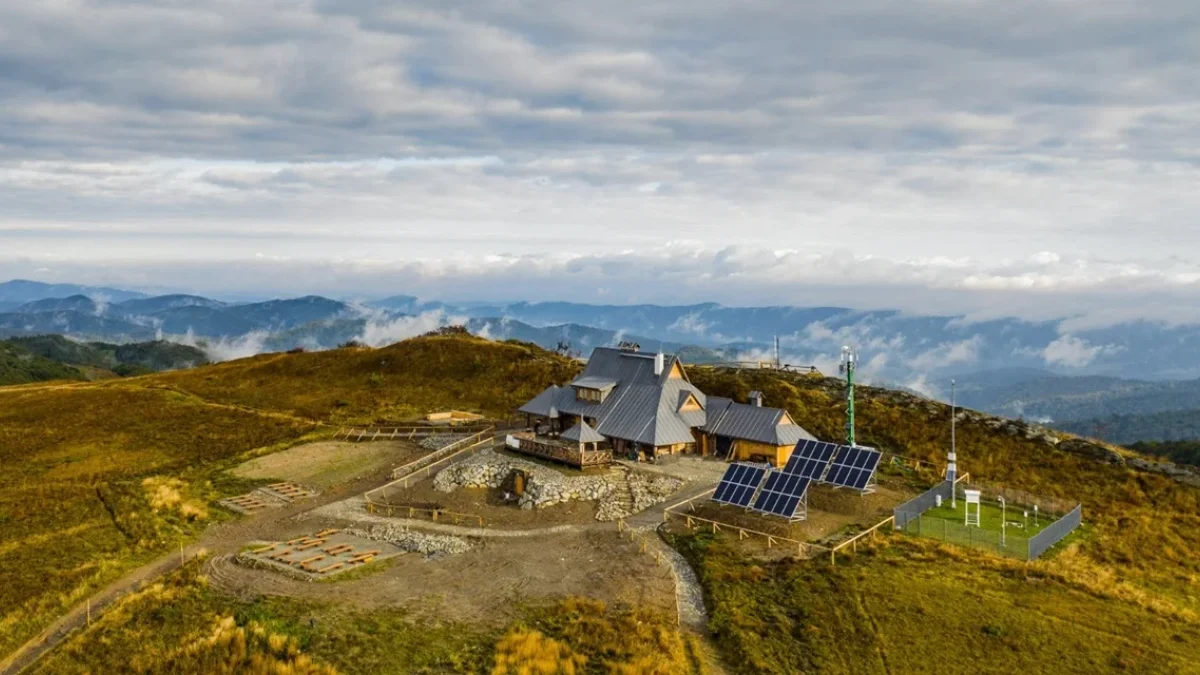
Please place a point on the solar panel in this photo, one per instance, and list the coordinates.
(810, 458)
(853, 467)
(739, 484)
(781, 494)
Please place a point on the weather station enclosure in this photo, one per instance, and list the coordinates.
(1007, 522)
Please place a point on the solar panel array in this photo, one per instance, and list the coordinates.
(738, 485)
(853, 467)
(810, 458)
(781, 494)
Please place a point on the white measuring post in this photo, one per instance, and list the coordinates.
(1003, 522)
(972, 497)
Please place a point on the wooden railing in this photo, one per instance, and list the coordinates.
(436, 515)
(364, 434)
(555, 451)
(377, 500)
(853, 541)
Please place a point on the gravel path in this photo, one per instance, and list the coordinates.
(689, 598)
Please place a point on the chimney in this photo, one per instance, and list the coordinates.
(756, 399)
(659, 362)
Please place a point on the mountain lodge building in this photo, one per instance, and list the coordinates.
(643, 405)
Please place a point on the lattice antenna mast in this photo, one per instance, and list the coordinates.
(952, 458)
(849, 356)
(777, 361)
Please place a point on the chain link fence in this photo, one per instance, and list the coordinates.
(912, 518)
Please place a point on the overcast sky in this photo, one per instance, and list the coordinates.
(977, 156)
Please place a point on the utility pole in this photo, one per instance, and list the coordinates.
(849, 356)
(952, 463)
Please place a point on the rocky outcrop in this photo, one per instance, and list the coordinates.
(1091, 450)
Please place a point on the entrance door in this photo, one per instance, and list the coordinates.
(724, 444)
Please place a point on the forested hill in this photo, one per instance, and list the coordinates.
(20, 366)
(53, 357)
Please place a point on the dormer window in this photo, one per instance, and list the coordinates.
(590, 395)
(593, 389)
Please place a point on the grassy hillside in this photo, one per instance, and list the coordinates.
(182, 627)
(909, 606)
(361, 385)
(100, 477)
(20, 366)
(1145, 528)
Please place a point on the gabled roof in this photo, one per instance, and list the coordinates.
(752, 423)
(641, 407)
(582, 433)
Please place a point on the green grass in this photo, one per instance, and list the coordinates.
(946, 523)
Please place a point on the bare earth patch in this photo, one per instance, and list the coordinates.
(487, 582)
(328, 463)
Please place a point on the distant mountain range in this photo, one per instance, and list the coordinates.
(1051, 371)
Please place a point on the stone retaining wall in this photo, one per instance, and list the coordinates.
(547, 487)
(414, 542)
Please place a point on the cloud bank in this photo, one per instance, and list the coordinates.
(988, 157)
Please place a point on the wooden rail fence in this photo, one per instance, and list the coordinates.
(804, 549)
(377, 500)
(357, 434)
(853, 541)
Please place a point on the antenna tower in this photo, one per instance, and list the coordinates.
(777, 364)
(849, 356)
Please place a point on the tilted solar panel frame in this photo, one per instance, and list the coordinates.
(810, 459)
(854, 467)
(782, 494)
(739, 484)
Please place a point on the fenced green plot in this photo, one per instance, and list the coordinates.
(947, 524)
(1014, 529)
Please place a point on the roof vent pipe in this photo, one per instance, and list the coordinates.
(658, 363)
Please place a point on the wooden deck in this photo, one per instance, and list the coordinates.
(559, 451)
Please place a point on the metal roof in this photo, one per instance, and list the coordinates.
(583, 433)
(595, 382)
(752, 423)
(542, 404)
(642, 407)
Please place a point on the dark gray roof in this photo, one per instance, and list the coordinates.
(541, 404)
(582, 433)
(642, 407)
(752, 423)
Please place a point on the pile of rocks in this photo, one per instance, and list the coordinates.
(415, 542)
(439, 441)
(649, 490)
